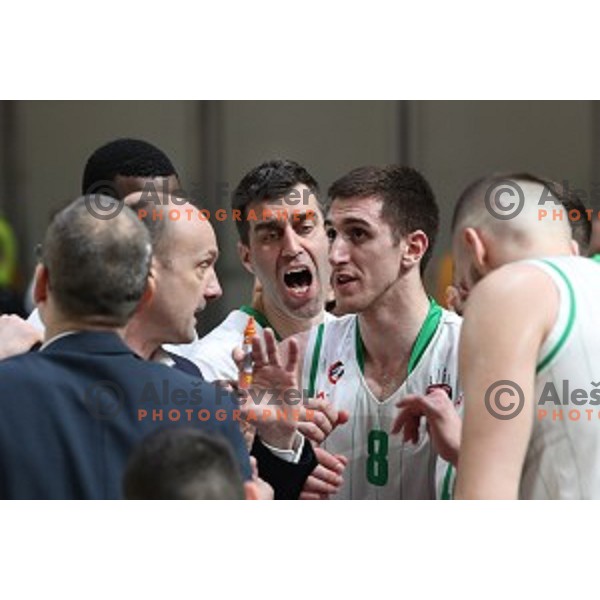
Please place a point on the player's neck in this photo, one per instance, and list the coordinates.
(284, 324)
(57, 324)
(390, 327)
(138, 339)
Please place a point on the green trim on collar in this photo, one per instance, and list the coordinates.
(424, 337)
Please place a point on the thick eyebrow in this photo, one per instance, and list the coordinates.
(349, 221)
(269, 224)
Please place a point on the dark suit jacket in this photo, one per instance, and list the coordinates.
(71, 413)
(287, 479)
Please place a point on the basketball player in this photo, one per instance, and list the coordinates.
(382, 225)
(288, 257)
(119, 168)
(528, 325)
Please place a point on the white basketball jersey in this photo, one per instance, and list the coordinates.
(563, 457)
(381, 466)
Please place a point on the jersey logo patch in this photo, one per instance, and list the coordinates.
(335, 372)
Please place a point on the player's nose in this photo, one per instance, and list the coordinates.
(213, 289)
(338, 251)
(291, 243)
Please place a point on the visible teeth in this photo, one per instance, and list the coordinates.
(343, 278)
(299, 277)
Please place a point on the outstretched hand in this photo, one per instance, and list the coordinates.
(273, 399)
(443, 423)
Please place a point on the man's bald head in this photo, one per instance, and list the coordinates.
(155, 212)
(510, 207)
(185, 252)
(497, 220)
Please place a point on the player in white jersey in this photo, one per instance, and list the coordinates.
(288, 257)
(381, 465)
(382, 225)
(530, 327)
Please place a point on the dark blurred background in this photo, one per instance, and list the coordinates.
(44, 146)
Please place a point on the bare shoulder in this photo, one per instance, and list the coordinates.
(517, 295)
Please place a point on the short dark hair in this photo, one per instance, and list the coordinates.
(97, 267)
(581, 229)
(124, 156)
(408, 202)
(182, 464)
(269, 181)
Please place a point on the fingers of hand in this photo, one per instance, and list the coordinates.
(272, 350)
(238, 356)
(313, 496)
(292, 356)
(317, 485)
(318, 418)
(335, 463)
(407, 422)
(311, 431)
(323, 409)
(259, 357)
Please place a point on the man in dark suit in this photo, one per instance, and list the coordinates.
(71, 413)
(183, 281)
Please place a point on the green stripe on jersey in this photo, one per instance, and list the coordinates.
(446, 494)
(426, 333)
(314, 366)
(570, 321)
(424, 337)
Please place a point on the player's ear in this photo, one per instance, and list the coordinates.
(417, 243)
(476, 248)
(148, 294)
(150, 290)
(41, 284)
(244, 253)
(575, 249)
(251, 490)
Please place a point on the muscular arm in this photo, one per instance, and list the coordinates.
(507, 318)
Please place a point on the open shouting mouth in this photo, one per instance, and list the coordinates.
(298, 280)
